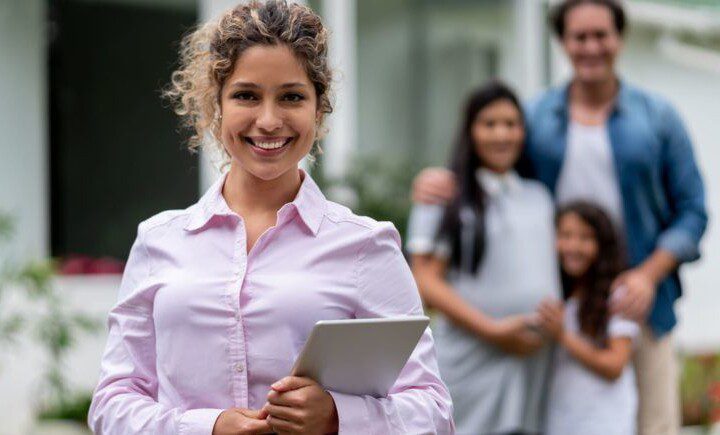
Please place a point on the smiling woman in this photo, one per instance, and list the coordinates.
(216, 302)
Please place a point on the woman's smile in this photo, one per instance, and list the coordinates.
(268, 146)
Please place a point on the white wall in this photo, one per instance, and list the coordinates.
(23, 125)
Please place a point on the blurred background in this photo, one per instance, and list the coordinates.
(88, 150)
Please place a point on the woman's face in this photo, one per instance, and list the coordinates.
(269, 112)
(498, 135)
(576, 245)
(591, 42)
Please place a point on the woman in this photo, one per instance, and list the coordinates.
(218, 299)
(485, 262)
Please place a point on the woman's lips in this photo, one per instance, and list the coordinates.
(268, 146)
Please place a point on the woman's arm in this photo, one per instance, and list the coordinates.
(511, 334)
(436, 292)
(419, 401)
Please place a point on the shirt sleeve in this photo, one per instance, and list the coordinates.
(621, 327)
(125, 399)
(419, 402)
(685, 192)
(423, 225)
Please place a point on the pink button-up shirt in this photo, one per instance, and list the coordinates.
(201, 325)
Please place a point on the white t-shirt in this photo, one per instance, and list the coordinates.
(580, 401)
(588, 171)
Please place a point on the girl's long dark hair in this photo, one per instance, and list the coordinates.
(464, 163)
(593, 313)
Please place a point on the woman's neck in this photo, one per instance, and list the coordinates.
(249, 195)
(578, 290)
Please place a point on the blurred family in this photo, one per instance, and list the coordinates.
(619, 165)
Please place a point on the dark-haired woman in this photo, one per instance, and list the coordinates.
(485, 262)
(593, 389)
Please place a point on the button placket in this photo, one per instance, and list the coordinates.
(240, 385)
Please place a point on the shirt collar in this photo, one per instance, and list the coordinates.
(561, 98)
(310, 204)
(494, 183)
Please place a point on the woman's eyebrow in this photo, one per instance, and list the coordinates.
(293, 85)
(252, 85)
(245, 85)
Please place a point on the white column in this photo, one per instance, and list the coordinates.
(208, 10)
(340, 17)
(530, 18)
(24, 192)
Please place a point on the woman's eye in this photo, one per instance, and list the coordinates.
(489, 124)
(293, 98)
(245, 96)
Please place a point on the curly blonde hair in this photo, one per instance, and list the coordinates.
(208, 55)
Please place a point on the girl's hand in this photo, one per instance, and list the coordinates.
(237, 421)
(513, 335)
(299, 405)
(551, 318)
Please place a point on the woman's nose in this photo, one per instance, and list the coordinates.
(269, 118)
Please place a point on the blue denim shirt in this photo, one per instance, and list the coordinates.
(661, 186)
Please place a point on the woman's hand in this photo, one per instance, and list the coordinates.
(299, 405)
(514, 335)
(237, 421)
(551, 318)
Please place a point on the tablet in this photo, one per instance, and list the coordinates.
(359, 356)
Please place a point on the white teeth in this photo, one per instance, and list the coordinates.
(269, 145)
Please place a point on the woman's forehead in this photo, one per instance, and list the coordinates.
(269, 66)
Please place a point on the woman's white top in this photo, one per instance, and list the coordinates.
(582, 402)
(494, 392)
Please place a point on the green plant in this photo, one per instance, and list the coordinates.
(41, 312)
(380, 184)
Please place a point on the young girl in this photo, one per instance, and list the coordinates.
(218, 299)
(593, 388)
(485, 262)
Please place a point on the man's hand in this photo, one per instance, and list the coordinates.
(238, 421)
(299, 405)
(434, 186)
(633, 294)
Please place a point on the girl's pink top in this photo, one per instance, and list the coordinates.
(201, 325)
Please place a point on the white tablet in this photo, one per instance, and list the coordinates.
(359, 356)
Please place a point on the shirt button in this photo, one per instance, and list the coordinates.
(239, 367)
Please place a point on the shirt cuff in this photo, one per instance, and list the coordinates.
(352, 413)
(680, 244)
(198, 421)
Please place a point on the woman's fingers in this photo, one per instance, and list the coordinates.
(284, 412)
(289, 383)
(294, 398)
(283, 426)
